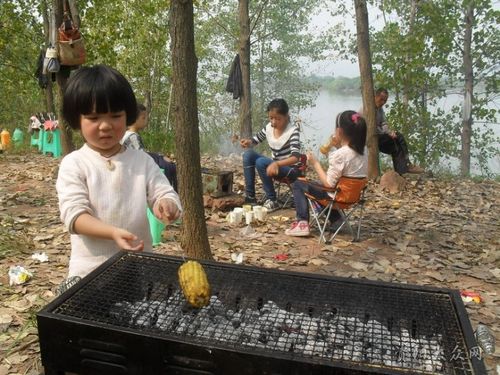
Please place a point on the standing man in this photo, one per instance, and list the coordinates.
(389, 141)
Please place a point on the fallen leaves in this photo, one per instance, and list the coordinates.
(436, 232)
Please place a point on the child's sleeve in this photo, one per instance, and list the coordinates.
(336, 165)
(72, 193)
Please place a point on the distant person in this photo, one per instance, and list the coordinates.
(133, 140)
(349, 160)
(284, 140)
(389, 141)
(104, 188)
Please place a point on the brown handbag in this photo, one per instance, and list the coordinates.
(71, 48)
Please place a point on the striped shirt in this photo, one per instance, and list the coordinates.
(286, 145)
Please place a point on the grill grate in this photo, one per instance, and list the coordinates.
(307, 318)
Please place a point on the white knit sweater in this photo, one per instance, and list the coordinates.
(117, 197)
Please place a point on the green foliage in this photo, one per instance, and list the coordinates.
(21, 38)
(280, 41)
(158, 141)
(418, 58)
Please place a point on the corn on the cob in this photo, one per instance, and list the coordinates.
(194, 283)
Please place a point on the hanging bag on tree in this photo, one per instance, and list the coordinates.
(70, 42)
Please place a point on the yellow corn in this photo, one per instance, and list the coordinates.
(194, 283)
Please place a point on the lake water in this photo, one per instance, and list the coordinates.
(318, 124)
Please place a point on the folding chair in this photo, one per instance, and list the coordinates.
(349, 196)
(285, 198)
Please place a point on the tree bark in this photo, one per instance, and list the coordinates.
(468, 94)
(75, 15)
(194, 237)
(61, 79)
(244, 51)
(365, 69)
(48, 92)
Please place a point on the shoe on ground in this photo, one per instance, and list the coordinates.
(415, 169)
(250, 200)
(271, 205)
(298, 229)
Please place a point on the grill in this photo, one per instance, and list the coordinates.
(217, 183)
(128, 317)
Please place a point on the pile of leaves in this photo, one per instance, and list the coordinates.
(435, 232)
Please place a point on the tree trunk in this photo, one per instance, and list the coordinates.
(244, 46)
(49, 94)
(365, 69)
(194, 237)
(61, 79)
(75, 15)
(468, 94)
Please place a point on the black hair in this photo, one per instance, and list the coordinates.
(354, 128)
(99, 88)
(140, 108)
(280, 105)
(381, 90)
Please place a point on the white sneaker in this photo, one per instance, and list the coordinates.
(271, 205)
(298, 229)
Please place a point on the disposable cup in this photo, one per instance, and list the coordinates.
(248, 217)
(262, 214)
(231, 218)
(238, 215)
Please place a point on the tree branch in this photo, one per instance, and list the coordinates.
(259, 39)
(264, 3)
(234, 36)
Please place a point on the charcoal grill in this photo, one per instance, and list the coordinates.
(217, 183)
(128, 317)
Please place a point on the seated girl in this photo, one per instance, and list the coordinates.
(284, 140)
(349, 160)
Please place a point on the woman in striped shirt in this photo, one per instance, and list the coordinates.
(284, 140)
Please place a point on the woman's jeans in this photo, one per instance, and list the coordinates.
(301, 207)
(253, 161)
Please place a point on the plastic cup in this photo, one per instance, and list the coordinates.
(262, 214)
(248, 217)
(238, 215)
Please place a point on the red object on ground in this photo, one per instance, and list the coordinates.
(281, 257)
(472, 296)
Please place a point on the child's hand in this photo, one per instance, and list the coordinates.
(245, 143)
(311, 159)
(166, 210)
(127, 240)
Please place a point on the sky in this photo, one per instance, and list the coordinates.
(321, 22)
(331, 67)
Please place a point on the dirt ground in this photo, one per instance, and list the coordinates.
(439, 233)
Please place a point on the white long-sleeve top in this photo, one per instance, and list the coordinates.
(346, 162)
(117, 197)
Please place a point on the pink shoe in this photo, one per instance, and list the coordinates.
(298, 229)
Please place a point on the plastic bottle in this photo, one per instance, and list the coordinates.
(485, 339)
(5, 139)
(18, 137)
